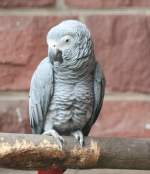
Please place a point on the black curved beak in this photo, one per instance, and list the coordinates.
(55, 55)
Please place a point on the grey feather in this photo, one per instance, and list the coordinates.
(66, 96)
(41, 91)
(99, 90)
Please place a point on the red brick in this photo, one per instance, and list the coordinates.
(98, 3)
(107, 3)
(140, 3)
(22, 46)
(26, 3)
(14, 116)
(123, 119)
(122, 47)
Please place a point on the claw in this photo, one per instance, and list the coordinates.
(79, 137)
(59, 139)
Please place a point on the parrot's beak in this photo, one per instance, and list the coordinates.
(55, 55)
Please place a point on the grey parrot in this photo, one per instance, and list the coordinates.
(67, 88)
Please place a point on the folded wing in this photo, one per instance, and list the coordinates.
(99, 90)
(41, 92)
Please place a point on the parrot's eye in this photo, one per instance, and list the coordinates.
(67, 40)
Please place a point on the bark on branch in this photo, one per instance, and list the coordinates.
(25, 151)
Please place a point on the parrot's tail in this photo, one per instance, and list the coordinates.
(51, 171)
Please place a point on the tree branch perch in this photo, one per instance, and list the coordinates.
(29, 152)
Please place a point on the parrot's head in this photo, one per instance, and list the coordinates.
(69, 44)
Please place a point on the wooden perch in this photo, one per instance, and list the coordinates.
(25, 151)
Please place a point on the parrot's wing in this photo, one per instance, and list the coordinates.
(99, 90)
(41, 91)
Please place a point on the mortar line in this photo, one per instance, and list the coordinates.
(127, 97)
(63, 11)
(23, 95)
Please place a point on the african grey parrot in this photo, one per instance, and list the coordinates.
(67, 88)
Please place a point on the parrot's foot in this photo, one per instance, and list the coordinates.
(59, 139)
(79, 137)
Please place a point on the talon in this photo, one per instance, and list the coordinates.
(60, 142)
(81, 142)
(79, 137)
(59, 139)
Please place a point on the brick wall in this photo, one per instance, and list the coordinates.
(121, 32)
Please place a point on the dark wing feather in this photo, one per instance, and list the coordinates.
(41, 91)
(99, 90)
